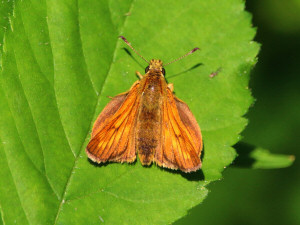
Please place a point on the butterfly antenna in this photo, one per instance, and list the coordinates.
(190, 52)
(125, 40)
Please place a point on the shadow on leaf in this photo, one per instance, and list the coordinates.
(175, 75)
(244, 158)
(193, 176)
(104, 164)
(185, 71)
(134, 59)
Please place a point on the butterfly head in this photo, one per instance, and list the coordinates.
(155, 65)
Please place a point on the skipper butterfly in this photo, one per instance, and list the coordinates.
(148, 120)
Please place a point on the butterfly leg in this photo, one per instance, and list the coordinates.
(139, 74)
(171, 87)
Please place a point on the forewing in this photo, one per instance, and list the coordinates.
(113, 132)
(109, 110)
(181, 137)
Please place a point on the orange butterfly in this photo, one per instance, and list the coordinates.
(149, 120)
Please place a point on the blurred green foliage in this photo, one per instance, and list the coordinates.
(265, 196)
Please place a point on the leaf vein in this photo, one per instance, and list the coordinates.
(41, 147)
(23, 208)
(81, 46)
(2, 214)
(34, 56)
(77, 157)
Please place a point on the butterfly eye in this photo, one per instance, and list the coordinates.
(147, 69)
(163, 71)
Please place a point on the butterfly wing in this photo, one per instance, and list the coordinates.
(109, 110)
(181, 141)
(113, 132)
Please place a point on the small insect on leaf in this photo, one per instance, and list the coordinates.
(215, 73)
(148, 120)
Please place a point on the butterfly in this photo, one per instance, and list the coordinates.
(148, 120)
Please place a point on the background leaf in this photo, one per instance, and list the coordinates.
(253, 157)
(62, 58)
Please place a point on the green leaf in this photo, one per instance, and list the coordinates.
(250, 156)
(6, 8)
(60, 61)
(1, 221)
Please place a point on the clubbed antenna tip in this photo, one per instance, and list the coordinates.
(125, 40)
(195, 49)
(190, 52)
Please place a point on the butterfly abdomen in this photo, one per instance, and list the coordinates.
(149, 119)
